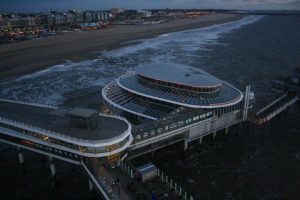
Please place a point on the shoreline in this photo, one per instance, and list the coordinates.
(34, 55)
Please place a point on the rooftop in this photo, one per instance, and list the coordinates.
(55, 120)
(227, 95)
(144, 169)
(178, 74)
(82, 112)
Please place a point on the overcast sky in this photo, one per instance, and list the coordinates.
(45, 5)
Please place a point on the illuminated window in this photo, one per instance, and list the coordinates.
(145, 134)
(152, 133)
(166, 128)
(159, 130)
(173, 125)
(180, 123)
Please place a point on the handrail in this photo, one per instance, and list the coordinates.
(104, 95)
(95, 181)
(29, 103)
(276, 112)
(271, 104)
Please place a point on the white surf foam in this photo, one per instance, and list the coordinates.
(197, 37)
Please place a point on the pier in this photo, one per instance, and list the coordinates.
(104, 144)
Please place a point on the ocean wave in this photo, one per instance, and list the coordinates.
(196, 37)
(49, 85)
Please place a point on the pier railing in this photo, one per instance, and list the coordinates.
(29, 103)
(101, 185)
(274, 108)
(57, 135)
(174, 186)
(271, 104)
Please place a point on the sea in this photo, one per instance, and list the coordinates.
(252, 51)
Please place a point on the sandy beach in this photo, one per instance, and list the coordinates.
(34, 55)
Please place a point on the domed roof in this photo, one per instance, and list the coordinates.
(179, 74)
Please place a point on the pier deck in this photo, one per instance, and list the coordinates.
(41, 117)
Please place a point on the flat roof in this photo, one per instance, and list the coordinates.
(44, 118)
(178, 74)
(144, 169)
(82, 112)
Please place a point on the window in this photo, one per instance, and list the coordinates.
(166, 127)
(138, 137)
(180, 123)
(145, 134)
(195, 118)
(159, 130)
(152, 133)
(173, 125)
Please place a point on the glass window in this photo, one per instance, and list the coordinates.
(166, 127)
(152, 133)
(159, 130)
(145, 134)
(195, 118)
(173, 125)
(180, 123)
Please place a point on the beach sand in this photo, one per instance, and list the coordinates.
(34, 55)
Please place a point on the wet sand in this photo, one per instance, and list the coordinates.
(34, 55)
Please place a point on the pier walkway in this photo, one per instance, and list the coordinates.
(274, 108)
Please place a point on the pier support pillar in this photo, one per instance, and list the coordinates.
(185, 147)
(214, 134)
(52, 169)
(91, 186)
(226, 130)
(200, 140)
(21, 160)
(152, 153)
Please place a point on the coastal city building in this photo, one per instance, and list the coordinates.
(115, 11)
(18, 27)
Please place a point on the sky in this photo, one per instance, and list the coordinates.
(46, 5)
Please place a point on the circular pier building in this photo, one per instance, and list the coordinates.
(155, 90)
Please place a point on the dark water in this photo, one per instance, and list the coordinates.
(252, 51)
(257, 53)
(246, 166)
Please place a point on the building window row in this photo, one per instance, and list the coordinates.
(172, 126)
(79, 148)
(177, 86)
